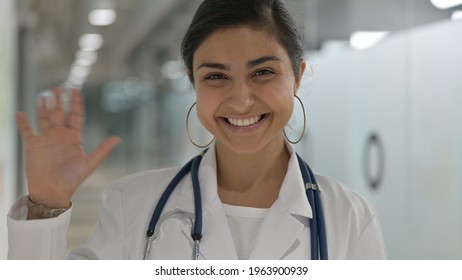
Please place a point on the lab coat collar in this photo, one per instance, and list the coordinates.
(292, 196)
(287, 216)
(208, 184)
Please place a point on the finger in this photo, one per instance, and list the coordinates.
(43, 115)
(24, 127)
(102, 152)
(77, 113)
(57, 115)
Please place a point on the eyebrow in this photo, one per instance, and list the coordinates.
(250, 64)
(262, 60)
(213, 65)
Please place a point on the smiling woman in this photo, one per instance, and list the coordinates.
(258, 84)
(235, 87)
(249, 196)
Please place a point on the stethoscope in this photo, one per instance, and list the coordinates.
(317, 223)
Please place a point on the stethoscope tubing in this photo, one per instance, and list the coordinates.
(317, 223)
(320, 221)
(321, 227)
(313, 226)
(197, 232)
(165, 196)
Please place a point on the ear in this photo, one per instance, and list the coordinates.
(298, 78)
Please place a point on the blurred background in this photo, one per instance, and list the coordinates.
(382, 94)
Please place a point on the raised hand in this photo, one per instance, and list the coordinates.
(56, 163)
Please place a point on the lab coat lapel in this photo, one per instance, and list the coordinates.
(286, 219)
(277, 235)
(217, 241)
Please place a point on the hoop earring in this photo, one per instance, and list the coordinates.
(304, 124)
(189, 135)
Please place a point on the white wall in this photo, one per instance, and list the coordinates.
(407, 90)
(7, 107)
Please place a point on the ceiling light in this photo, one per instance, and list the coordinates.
(85, 57)
(172, 70)
(445, 4)
(79, 71)
(90, 42)
(102, 17)
(361, 40)
(456, 15)
(75, 82)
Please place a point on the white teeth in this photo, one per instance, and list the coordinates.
(244, 122)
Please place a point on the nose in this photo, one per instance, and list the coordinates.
(241, 97)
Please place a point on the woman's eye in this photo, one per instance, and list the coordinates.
(215, 76)
(263, 72)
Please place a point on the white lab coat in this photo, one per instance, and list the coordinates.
(353, 230)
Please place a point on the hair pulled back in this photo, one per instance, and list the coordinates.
(271, 16)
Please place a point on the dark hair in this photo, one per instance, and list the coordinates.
(271, 16)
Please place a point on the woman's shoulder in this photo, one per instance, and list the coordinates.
(342, 197)
(351, 222)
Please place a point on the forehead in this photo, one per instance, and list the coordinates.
(238, 44)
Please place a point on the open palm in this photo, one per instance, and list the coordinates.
(56, 163)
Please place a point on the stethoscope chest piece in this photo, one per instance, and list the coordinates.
(173, 226)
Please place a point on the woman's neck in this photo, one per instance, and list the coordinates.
(252, 180)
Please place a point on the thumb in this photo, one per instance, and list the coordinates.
(102, 152)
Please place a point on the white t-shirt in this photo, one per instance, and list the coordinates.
(244, 224)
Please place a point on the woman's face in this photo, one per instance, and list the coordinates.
(245, 88)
